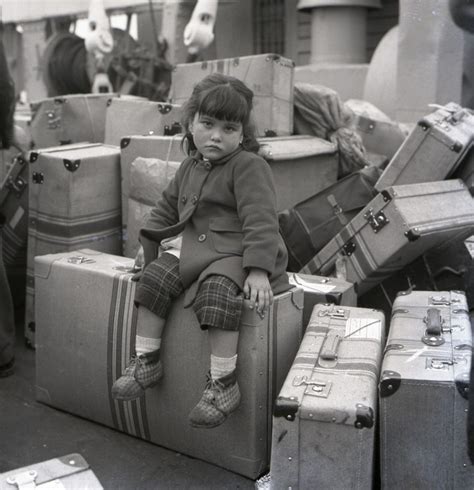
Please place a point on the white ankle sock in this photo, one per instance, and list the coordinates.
(143, 345)
(221, 366)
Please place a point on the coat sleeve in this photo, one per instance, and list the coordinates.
(256, 206)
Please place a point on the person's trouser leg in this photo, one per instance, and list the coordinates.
(7, 322)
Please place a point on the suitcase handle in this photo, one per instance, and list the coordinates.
(433, 322)
(330, 346)
(433, 330)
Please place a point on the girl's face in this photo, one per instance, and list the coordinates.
(215, 138)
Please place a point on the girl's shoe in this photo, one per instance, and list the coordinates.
(220, 398)
(143, 371)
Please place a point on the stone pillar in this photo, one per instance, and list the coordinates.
(430, 58)
(338, 29)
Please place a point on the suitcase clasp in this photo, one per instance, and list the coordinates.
(16, 185)
(24, 480)
(376, 221)
(314, 387)
(338, 313)
(439, 301)
(79, 259)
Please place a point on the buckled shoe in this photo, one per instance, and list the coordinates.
(143, 371)
(220, 398)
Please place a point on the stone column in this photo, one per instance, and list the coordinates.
(430, 58)
(338, 29)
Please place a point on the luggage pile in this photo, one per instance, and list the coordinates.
(374, 217)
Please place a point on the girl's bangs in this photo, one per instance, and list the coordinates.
(224, 103)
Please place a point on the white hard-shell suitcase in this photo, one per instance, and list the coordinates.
(423, 393)
(325, 414)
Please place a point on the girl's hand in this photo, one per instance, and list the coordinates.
(138, 266)
(258, 290)
(140, 258)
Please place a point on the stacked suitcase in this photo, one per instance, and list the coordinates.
(325, 415)
(74, 202)
(423, 393)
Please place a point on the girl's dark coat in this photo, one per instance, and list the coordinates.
(226, 211)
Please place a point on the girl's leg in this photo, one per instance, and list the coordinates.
(218, 306)
(149, 331)
(157, 288)
(223, 345)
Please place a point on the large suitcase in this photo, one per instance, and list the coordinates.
(318, 289)
(433, 149)
(148, 179)
(396, 227)
(269, 76)
(167, 148)
(312, 222)
(423, 393)
(140, 117)
(96, 320)
(69, 119)
(74, 202)
(301, 166)
(70, 472)
(325, 414)
(14, 208)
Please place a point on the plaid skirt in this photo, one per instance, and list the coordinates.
(218, 301)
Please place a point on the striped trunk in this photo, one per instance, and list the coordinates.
(86, 333)
(74, 202)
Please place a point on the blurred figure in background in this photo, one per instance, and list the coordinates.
(7, 139)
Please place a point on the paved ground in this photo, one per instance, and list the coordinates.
(31, 432)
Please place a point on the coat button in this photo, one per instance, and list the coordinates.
(208, 165)
(202, 237)
(194, 199)
(184, 199)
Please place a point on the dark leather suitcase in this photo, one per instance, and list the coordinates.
(311, 223)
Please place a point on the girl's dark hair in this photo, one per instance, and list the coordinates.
(223, 97)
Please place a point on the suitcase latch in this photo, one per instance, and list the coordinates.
(16, 185)
(79, 259)
(27, 481)
(439, 300)
(443, 363)
(54, 122)
(23, 480)
(314, 387)
(338, 313)
(376, 221)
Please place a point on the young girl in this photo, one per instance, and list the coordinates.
(222, 200)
